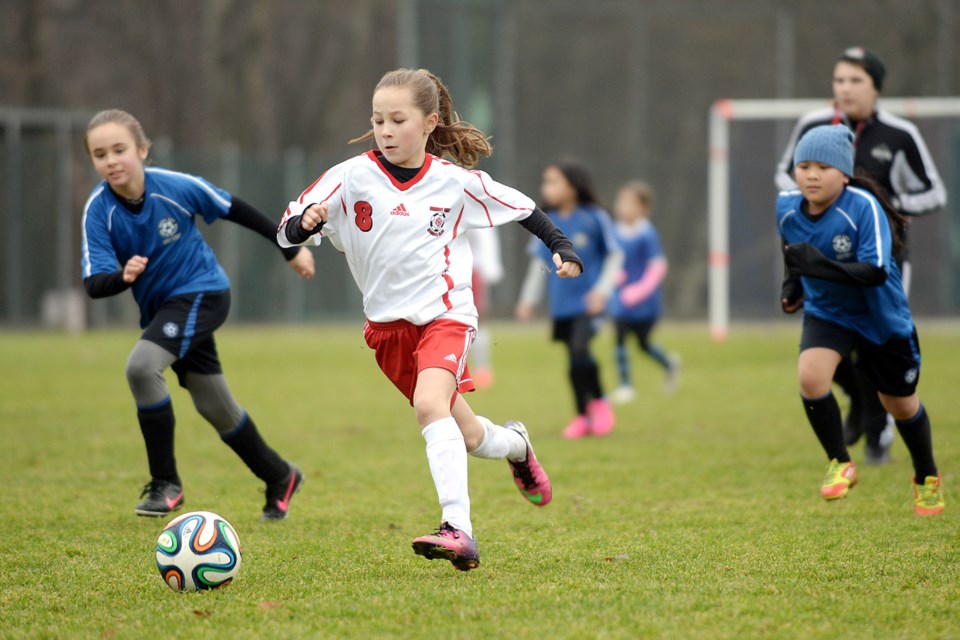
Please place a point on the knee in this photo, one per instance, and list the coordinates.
(430, 407)
(812, 384)
(901, 408)
(141, 372)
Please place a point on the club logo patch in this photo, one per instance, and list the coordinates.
(911, 376)
(438, 218)
(169, 230)
(842, 246)
(882, 153)
(171, 329)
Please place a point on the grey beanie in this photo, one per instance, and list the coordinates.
(830, 144)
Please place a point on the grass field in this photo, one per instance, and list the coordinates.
(698, 517)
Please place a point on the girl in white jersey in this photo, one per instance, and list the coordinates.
(399, 214)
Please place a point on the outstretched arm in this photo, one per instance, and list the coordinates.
(568, 263)
(805, 259)
(246, 215)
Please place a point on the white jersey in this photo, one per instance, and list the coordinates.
(405, 242)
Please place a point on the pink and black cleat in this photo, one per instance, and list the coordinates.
(449, 543)
(528, 475)
(161, 498)
(279, 495)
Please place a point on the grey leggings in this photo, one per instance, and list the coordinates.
(210, 393)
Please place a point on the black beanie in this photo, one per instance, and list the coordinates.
(870, 62)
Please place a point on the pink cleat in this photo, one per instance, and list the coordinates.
(528, 475)
(579, 427)
(449, 543)
(601, 416)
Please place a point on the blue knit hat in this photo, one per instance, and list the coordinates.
(830, 144)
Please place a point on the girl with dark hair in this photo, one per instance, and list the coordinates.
(577, 306)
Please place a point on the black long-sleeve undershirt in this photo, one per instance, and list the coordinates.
(103, 285)
(806, 260)
(539, 224)
(247, 216)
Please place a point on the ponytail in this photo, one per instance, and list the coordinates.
(452, 137)
(898, 223)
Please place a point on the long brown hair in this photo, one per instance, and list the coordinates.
(120, 117)
(452, 137)
(898, 223)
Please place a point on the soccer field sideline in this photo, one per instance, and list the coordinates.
(697, 517)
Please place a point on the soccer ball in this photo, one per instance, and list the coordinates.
(198, 550)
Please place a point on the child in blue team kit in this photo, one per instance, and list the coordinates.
(839, 255)
(577, 305)
(140, 233)
(638, 301)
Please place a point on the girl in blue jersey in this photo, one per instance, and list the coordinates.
(140, 233)
(638, 300)
(577, 305)
(839, 240)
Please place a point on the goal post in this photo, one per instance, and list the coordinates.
(722, 114)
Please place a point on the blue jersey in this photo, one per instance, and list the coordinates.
(641, 245)
(165, 232)
(853, 229)
(590, 230)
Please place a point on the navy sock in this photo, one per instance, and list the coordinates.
(156, 425)
(247, 443)
(623, 364)
(824, 416)
(915, 432)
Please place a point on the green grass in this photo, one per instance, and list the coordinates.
(698, 517)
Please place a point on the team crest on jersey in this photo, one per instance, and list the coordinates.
(438, 218)
(842, 246)
(882, 153)
(170, 329)
(168, 230)
(580, 239)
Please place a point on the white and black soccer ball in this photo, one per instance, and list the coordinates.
(198, 550)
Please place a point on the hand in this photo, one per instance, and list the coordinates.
(596, 303)
(524, 311)
(791, 307)
(302, 263)
(314, 215)
(134, 267)
(566, 269)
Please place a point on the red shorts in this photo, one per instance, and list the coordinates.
(404, 349)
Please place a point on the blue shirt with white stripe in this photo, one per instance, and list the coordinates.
(853, 229)
(165, 232)
(591, 231)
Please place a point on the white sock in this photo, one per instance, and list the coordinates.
(500, 442)
(447, 456)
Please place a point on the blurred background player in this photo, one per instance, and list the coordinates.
(140, 233)
(890, 151)
(399, 214)
(576, 306)
(487, 271)
(638, 300)
(838, 240)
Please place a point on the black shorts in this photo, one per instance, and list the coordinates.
(893, 367)
(639, 328)
(575, 328)
(184, 326)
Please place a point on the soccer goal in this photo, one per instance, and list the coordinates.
(746, 138)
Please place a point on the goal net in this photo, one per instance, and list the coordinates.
(746, 140)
